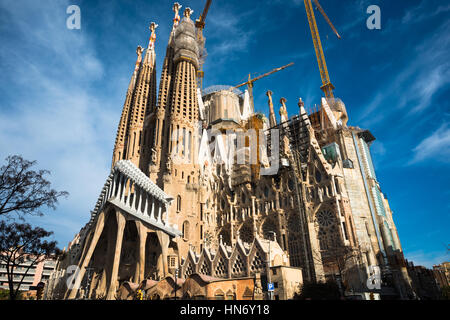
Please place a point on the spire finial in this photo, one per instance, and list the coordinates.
(300, 103)
(283, 109)
(176, 20)
(151, 42)
(272, 118)
(187, 12)
(139, 51)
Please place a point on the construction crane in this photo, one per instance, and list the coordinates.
(326, 87)
(250, 82)
(200, 25)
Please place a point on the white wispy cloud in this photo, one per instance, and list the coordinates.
(228, 30)
(414, 86)
(436, 146)
(56, 117)
(427, 259)
(419, 13)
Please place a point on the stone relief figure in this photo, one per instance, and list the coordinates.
(258, 292)
(320, 194)
(153, 156)
(169, 164)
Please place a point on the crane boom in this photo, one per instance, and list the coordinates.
(327, 87)
(326, 18)
(264, 75)
(250, 82)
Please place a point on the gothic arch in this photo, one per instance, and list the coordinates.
(204, 263)
(257, 258)
(269, 225)
(226, 234)
(238, 264)
(221, 263)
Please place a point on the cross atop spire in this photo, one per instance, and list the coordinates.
(176, 19)
(139, 51)
(151, 42)
(187, 12)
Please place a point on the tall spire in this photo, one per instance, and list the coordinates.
(119, 145)
(144, 100)
(272, 118)
(178, 164)
(283, 110)
(160, 123)
(150, 54)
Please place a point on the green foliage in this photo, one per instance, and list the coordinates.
(21, 243)
(319, 291)
(4, 295)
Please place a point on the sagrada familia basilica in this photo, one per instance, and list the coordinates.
(208, 199)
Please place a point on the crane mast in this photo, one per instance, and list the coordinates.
(327, 87)
(200, 25)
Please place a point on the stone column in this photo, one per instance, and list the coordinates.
(164, 243)
(98, 231)
(140, 264)
(115, 268)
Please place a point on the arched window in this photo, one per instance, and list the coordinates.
(186, 230)
(219, 295)
(178, 203)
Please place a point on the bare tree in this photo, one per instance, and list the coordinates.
(22, 244)
(337, 259)
(23, 190)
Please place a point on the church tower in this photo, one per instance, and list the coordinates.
(155, 127)
(119, 146)
(140, 100)
(180, 169)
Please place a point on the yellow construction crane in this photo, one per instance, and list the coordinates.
(327, 87)
(200, 25)
(250, 81)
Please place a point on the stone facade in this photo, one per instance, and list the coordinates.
(206, 184)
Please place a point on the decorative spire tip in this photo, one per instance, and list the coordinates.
(187, 12)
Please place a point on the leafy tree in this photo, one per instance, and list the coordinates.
(23, 190)
(4, 295)
(20, 243)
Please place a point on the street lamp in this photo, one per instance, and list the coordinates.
(269, 281)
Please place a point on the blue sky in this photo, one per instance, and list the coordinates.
(61, 90)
